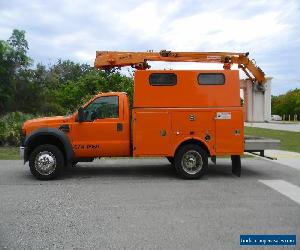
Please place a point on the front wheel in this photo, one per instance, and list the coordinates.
(191, 161)
(46, 162)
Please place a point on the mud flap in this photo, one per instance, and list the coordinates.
(213, 159)
(236, 165)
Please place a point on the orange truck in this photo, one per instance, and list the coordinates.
(186, 116)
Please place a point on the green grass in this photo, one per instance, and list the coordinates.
(9, 153)
(290, 141)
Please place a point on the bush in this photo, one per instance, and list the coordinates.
(10, 127)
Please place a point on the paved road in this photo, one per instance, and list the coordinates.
(294, 127)
(287, 158)
(141, 204)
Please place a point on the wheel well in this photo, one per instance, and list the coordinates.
(46, 139)
(193, 141)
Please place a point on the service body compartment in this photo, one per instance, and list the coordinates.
(229, 132)
(151, 132)
(193, 122)
(159, 131)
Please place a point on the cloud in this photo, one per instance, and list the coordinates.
(76, 29)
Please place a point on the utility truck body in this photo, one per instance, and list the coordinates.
(184, 115)
(172, 107)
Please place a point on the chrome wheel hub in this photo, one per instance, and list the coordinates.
(45, 163)
(192, 162)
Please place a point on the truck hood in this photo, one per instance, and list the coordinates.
(45, 122)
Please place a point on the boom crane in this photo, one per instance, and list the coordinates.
(139, 60)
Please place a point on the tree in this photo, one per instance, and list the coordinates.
(287, 104)
(6, 73)
(57, 89)
(72, 94)
(13, 59)
(20, 46)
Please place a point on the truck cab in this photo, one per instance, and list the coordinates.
(103, 130)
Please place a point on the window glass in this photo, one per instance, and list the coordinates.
(102, 107)
(163, 79)
(211, 78)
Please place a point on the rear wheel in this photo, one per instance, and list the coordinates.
(191, 161)
(46, 162)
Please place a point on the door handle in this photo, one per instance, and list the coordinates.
(119, 127)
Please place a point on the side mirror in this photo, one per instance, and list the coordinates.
(80, 114)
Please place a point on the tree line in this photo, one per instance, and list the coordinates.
(56, 89)
(287, 104)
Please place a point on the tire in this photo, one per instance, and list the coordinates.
(171, 160)
(46, 162)
(191, 161)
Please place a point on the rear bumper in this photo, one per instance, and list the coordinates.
(22, 150)
(256, 144)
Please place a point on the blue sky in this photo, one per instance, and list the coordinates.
(75, 29)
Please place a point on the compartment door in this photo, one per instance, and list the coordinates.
(229, 132)
(151, 133)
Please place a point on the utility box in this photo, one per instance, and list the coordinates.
(178, 105)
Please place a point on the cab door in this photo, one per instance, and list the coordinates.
(104, 131)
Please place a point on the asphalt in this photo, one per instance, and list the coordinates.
(142, 204)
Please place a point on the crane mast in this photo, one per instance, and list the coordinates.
(139, 60)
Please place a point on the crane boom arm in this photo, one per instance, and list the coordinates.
(138, 60)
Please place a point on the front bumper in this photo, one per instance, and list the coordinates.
(22, 150)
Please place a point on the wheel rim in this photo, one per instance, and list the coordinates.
(45, 163)
(192, 162)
